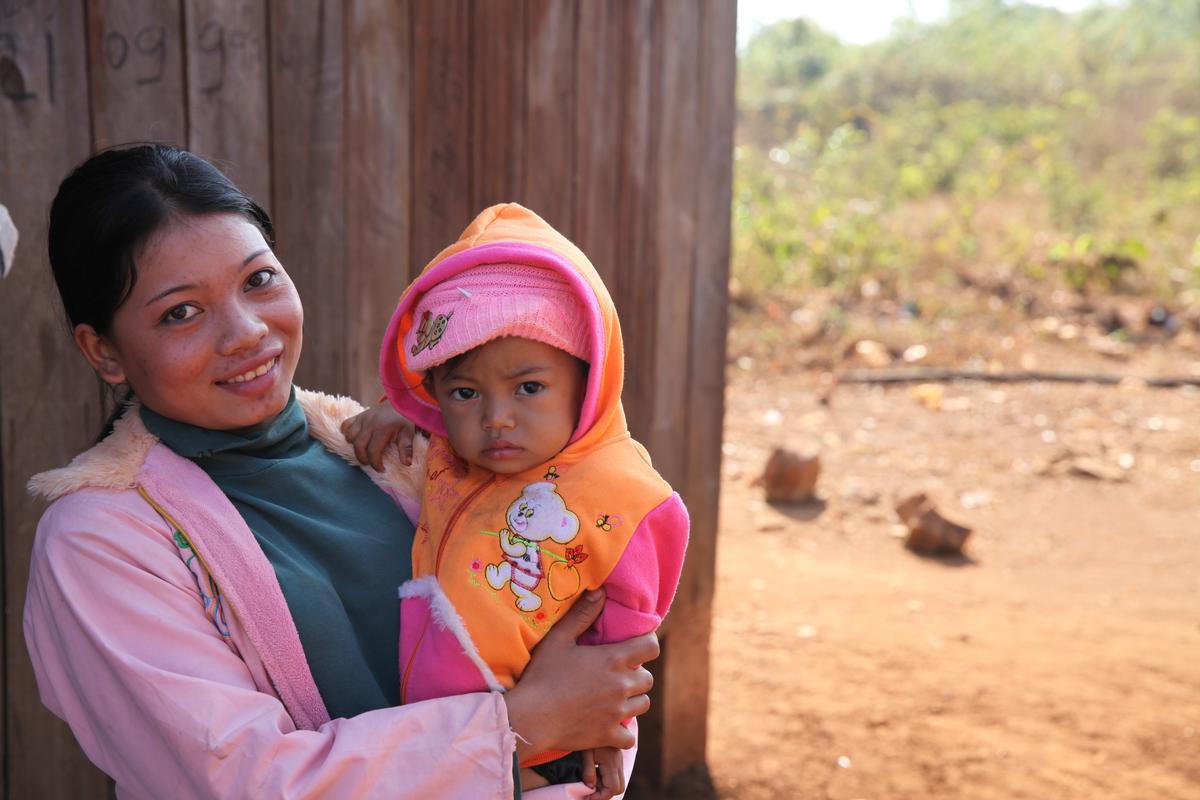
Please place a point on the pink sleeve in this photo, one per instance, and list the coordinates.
(642, 585)
(161, 702)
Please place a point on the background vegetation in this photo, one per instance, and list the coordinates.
(1009, 141)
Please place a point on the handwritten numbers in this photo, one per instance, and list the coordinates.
(149, 42)
(116, 50)
(212, 44)
(216, 44)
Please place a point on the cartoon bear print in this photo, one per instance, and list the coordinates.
(538, 514)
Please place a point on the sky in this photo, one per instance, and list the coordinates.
(857, 21)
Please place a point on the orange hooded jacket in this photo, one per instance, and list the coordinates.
(616, 522)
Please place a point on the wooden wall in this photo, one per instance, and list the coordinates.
(373, 132)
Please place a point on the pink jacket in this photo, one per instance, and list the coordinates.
(157, 630)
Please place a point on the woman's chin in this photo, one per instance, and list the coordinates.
(237, 407)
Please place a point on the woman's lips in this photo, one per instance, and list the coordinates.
(251, 374)
(253, 381)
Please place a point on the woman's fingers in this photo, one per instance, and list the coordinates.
(581, 616)
(589, 768)
(617, 772)
(637, 651)
(637, 705)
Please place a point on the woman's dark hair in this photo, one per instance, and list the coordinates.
(109, 207)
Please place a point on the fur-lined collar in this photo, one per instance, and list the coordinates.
(117, 460)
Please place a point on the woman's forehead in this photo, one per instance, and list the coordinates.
(197, 250)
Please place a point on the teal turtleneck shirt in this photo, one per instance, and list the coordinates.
(340, 547)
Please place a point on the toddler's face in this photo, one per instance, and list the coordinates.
(510, 404)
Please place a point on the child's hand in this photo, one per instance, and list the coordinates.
(374, 429)
(603, 772)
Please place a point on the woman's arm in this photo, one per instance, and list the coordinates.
(123, 651)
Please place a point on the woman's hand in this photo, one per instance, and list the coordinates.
(374, 429)
(574, 697)
(603, 772)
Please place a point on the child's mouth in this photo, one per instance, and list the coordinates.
(502, 449)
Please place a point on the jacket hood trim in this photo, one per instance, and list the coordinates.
(112, 463)
(116, 462)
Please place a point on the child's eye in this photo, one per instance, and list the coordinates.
(260, 278)
(530, 387)
(463, 393)
(180, 313)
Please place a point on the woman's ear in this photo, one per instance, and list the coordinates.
(100, 353)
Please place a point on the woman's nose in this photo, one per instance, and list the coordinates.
(243, 329)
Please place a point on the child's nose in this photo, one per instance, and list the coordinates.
(497, 415)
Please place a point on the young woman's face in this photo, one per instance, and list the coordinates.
(211, 333)
(511, 404)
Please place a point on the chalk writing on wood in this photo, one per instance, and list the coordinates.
(215, 42)
(150, 42)
(16, 50)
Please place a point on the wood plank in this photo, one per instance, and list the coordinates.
(550, 111)
(672, 235)
(686, 693)
(597, 136)
(308, 176)
(228, 106)
(49, 399)
(635, 291)
(497, 103)
(135, 72)
(633, 287)
(674, 239)
(378, 180)
(441, 194)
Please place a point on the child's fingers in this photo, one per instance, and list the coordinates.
(404, 438)
(378, 444)
(350, 427)
(360, 449)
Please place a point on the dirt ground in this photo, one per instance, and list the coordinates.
(1059, 659)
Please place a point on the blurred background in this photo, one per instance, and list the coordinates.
(926, 192)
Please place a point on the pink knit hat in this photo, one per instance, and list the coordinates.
(493, 300)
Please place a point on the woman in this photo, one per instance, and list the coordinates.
(212, 597)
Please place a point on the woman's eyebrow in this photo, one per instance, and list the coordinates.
(180, 288)
(255, 255)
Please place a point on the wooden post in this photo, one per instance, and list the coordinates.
(49, 398)
(308, 176)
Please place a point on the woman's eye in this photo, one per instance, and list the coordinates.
(530, 387)
(179, 313)
(462, 393)
(260, 278)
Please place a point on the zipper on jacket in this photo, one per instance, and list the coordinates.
(408, 667)
(437, 565)
(449, 529)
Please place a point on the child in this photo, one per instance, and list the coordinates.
(508, 351)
